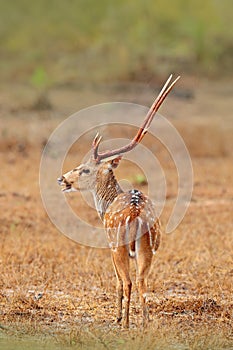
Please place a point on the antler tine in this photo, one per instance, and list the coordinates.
(158, 97)
(143, 128)
(95, 145)
(155, 106)
(151, 112)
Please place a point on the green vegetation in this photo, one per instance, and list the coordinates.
(140, 179)
(39, 78)
(101, 40)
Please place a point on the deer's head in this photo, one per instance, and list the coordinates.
(85, 176)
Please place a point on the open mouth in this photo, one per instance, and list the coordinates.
(66, 187)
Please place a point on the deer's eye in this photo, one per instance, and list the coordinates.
(86, 171)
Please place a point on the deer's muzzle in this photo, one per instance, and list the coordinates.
(64, 183)
(60, 180)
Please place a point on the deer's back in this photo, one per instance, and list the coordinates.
(128, 218)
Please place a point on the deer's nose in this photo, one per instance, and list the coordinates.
(60, 180)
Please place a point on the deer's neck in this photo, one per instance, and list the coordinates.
(106, 190)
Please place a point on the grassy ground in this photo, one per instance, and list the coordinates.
(54, 292)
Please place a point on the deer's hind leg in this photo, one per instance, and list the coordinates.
(119, 292)
(121, 265)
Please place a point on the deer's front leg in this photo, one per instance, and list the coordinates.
(142, 287)
(144, 260)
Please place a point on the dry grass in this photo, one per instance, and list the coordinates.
(56, 291)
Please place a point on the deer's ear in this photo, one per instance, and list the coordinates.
(112, 161)
(115, 162)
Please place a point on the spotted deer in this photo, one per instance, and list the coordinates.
(132, 227)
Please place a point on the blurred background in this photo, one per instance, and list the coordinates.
(58, 57)
(45, 43)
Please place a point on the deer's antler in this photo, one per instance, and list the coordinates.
(142, 130)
